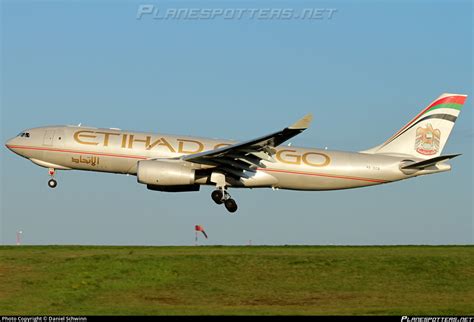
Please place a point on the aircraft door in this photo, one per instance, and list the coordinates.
(48, 138)
(58, 140)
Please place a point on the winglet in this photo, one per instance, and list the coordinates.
(303, 123)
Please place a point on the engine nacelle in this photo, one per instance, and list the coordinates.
(165, 173)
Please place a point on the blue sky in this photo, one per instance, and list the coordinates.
(363, 74)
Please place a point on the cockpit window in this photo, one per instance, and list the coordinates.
(24, 134)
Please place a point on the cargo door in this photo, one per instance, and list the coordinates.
(48, 138)
(58, 140)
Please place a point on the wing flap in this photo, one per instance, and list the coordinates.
(236, 164)
(248, 158)
(233, 172)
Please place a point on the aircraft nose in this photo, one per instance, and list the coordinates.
(9, 144)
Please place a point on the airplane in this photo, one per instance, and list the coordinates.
(171, 163)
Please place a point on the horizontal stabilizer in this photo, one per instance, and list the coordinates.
(428, 163)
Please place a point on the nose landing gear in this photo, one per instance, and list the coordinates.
(52, 183)
(221, 196)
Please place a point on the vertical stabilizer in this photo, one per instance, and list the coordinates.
(426, 134)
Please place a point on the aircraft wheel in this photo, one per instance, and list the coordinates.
(52, 183)
(231, 205)
(217, 196)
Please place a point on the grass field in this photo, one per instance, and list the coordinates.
(82, 280)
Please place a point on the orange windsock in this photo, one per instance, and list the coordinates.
(201, 229)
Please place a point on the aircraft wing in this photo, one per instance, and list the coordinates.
(247, 156)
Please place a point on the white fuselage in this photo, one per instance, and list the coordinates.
(117, 151)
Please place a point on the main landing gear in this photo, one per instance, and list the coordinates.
(221, 196)
(52, 183)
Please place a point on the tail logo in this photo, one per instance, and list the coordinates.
(427, 140)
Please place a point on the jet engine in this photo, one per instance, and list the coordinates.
(165, 173)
